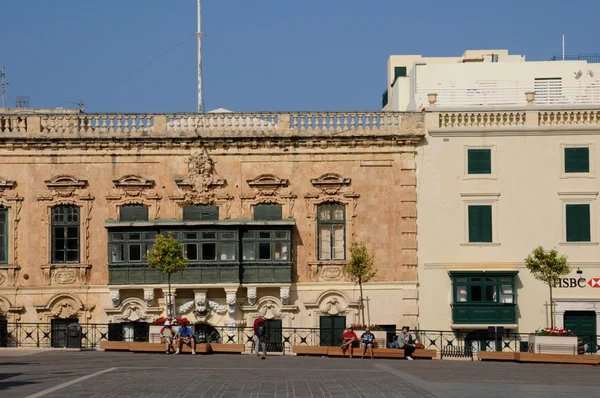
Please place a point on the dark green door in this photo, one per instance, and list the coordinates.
(58, 335)
(331, 329)
(274, 335)
(583, 324)
(3, 333)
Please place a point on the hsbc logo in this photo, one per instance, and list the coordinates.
(594, 282)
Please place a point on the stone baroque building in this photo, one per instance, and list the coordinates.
(265, 204)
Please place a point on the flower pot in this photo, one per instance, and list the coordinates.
(552, 344)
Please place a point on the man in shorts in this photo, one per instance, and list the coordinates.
(349, 339)
(184, 336)
(368, 341)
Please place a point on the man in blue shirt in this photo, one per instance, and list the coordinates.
(184, 335)
(406, 342)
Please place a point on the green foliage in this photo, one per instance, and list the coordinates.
(166, 255)
(360, 266)
(547, 266)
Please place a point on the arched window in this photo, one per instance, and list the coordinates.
(133, 212)
(65, 234)
(331, 230)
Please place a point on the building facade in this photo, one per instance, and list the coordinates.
(266, 206)
(493, 184)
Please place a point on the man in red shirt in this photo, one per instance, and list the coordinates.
(260, 336)
(350, 339)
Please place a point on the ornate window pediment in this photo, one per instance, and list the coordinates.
(64, 186)
(133, 189)
(268, 189)
(6, 184)
(331, 183)
(267, 184)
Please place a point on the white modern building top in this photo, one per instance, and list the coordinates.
(489, 78)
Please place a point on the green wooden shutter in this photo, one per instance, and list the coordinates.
(479, 161)
(268, 212)
(115, 332)
(133, 213)
(577, 160)
(578, 223)
(480, 223)
(200, 212)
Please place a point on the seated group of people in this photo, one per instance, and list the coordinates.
(183, 336)
(367, 341)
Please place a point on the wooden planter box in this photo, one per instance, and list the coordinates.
(552, 344)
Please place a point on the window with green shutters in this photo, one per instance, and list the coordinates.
(200, 213)
(134, 212)
(479, 161)
(578, 222)
(3, 235)
(268, 212)
(577, 160)
(480, 223)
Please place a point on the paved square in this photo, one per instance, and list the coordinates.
(100, 374)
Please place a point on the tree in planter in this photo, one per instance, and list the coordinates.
(547, 266)
(167, 256)
(360, 268)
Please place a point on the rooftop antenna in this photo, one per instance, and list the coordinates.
(563, 46)
(200, 102)
(80, 105)
(22, 101)
(3, 84)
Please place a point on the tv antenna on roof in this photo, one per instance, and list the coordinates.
(80, 105)
(3, 84)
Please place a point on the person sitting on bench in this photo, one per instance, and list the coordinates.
(406, 342)
(368, 341)
(184, 335)
(166, 336)
(349, 339)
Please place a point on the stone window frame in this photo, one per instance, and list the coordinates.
(332, 223)
(592, 163)
(133, 189)
(493, 168)
(588, 197)
(480, 199)
(12, 202)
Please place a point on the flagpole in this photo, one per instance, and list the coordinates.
(200, 102)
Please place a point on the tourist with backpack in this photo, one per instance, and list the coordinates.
(260, 336)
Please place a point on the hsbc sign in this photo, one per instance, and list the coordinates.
(577, 283)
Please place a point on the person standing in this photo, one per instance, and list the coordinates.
(184, 336)
(260, 336)
(368, 341)
(166, 335)
(406, 342)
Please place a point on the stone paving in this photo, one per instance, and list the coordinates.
(100, 374)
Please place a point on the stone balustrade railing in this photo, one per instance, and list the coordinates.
(198, 124)
(517, 118)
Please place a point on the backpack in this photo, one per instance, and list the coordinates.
(261, 330)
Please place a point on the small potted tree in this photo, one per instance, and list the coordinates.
(548, 266)
(360, 269)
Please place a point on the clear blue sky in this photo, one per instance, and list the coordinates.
(312, 54)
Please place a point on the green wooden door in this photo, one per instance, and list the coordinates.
(3, 333)
(331, 329)
(58, 331)
(583, 324)
(274, 335)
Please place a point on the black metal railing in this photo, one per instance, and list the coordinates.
(282, 340)
(590, 58)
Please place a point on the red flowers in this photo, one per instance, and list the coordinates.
(554, 332)
(178, 321)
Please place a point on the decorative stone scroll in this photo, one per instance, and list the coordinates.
(251, 293)
(333, 302)
(9, 199)
(115, 297)
(8, 311)
(66, 274)
(327, 271)
(63, 306)
(149, 296)
(66, 190)
(268, 188)
(133, 309)
(202, 186)
(133, 189)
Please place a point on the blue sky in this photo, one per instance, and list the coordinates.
(311, 54)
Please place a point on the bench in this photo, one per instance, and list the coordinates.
(158, 347)
(357, 352)
(425, 354)
(527, 357)
(227, 348)
(310, 350)
(115, 345)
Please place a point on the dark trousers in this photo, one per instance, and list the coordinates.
(408, 350)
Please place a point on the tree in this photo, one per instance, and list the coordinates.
(547, 266)
(360, 268)
(167, 256)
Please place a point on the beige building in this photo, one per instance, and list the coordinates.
(266, 206)
(494, 183)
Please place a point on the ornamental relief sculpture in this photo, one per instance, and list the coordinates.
(133, 189)
(10, 199)
(202, 185)
(265, 189)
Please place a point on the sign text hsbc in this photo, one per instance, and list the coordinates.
(577, 282)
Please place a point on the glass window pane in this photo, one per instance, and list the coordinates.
(117, 236)
(461, 294)
(59, 256)
(324, 242)
(281, 251)
(151, 236)
(190, 251)
(506, 279)
(135, 252)
(281, 235)
(264, 235)
(248, 235)
(264, 251)
(3, 254)
(338, 213)
(227, 235)
(3, 215)
(135, 236)
(324, 213)
(59, 244)
(475, 279)
(72, 256)
(228, 251)
(338, 242)
(460, 280)
(248, 251)
(190, 236)
(209, 235)
(117, 253)
(476, 293)
(73, 232)
(209, 251)
(506, 294)
(73, 244)
(490, 294)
